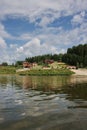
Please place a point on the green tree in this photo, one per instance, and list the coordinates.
(19, 63)
(4, 64)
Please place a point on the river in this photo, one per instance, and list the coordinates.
(43, 103)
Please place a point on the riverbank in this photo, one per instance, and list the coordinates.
(34, 72)
(26, 71)
(7, 70)
(42, 72)
(78, 72)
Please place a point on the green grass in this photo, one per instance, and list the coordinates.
(7, 70)
(47, 72)
(55, 69)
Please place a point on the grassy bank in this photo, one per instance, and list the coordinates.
(7, 70)
(53, 69)
(50, 72)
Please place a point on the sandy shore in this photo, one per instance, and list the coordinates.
(80, 71)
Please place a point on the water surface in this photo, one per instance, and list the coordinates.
(43, 103)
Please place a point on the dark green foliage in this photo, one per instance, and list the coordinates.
(18, 63)
(85, 60)
(41, 58)
(77, 55)
(4, 64)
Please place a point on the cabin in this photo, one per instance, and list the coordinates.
(27, 65)
(47, 61)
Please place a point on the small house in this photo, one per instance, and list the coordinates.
(27, 65)
(47, 61)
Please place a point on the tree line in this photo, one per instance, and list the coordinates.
(77, 56)
(41, 58)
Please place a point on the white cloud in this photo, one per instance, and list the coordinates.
(13, 46)
(34, 47)
(3, 32)
(2, 43)
(33, 43)
(33, 10)
(79, 18)
(45, 20)
(20, 49)
(25, 36)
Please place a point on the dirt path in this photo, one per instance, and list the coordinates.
(80, 71)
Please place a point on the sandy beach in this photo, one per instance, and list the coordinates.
(80, 71)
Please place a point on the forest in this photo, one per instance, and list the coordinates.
(77, 55)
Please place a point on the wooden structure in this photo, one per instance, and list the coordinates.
(47, 61)
(27, 65)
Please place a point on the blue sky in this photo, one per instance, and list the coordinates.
(29, 28)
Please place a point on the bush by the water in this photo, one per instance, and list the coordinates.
(47, 72)
(7, 70)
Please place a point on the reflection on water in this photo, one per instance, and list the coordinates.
(43, 103)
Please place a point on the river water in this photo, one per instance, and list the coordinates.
(43, 103)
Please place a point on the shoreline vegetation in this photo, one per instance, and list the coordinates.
(34, 72)
(42, 72)
(51, 72)
(7, 70)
